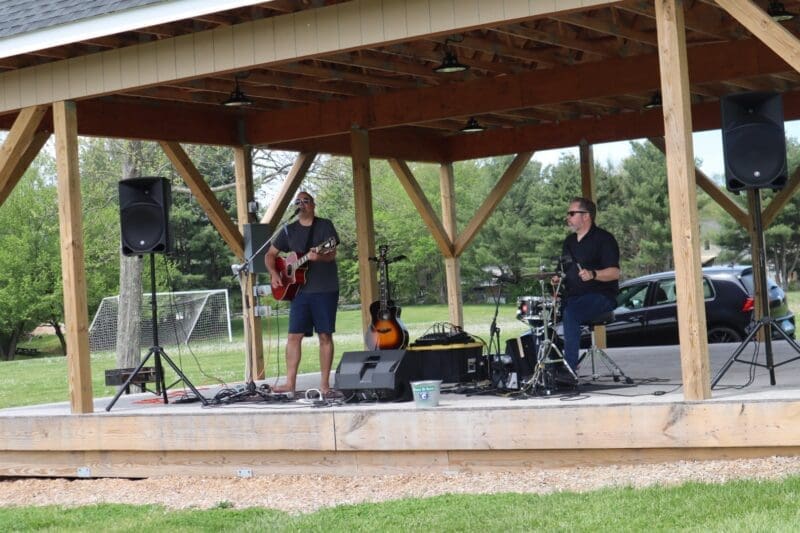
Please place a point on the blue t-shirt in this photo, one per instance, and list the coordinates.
(322, 276)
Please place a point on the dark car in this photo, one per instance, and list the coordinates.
(646, 311)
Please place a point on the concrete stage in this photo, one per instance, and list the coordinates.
(604, 422)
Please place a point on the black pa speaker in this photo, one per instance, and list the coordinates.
(753, 141)
(144, 205)
(255, 237)
(378, 374)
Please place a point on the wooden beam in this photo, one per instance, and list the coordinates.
(205, 197)
(148, 121)
(254, 344)
(755, 253)
(15, 154)
(296, 176)
(452, 265)
(588, 186)
(15, 173)
(490, 203)
(683, 199)
(779, 39)
(623, 126)
(365, 225)
(404, 143)
(420, 201)
(781, 199)
(610, 77)
(711, 189)
(589, 190)
(73, 269)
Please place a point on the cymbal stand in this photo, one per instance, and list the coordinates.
(548, 352)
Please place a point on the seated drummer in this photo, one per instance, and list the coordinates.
(591, 257)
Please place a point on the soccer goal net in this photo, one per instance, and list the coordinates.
(183, 317)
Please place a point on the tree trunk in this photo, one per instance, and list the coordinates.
(59, 333)
(130, 300)
(8, 349)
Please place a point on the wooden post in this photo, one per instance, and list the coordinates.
(452, 265)
(755, 253)
(254, 343)
(588, 188)
(683, 198)
(73, 270)
(365, 226)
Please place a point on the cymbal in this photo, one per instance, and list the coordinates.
(539, 275)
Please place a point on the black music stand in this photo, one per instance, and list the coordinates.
(157, 351)
(766, 322)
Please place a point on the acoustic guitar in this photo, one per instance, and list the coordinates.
(386, 330)
(292, 270)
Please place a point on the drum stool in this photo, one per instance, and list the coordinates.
(594, 351)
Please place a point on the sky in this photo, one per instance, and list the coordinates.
(707, 147)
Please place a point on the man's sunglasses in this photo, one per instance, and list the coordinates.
(573, 213)
(300, 201)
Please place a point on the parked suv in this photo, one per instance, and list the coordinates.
(646, 311)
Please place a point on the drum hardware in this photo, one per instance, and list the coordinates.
(542, 314)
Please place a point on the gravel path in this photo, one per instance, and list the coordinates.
(304, 493)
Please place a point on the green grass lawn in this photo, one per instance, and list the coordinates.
(731, 507)
(43, 379)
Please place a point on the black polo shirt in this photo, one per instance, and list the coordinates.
(598, 249)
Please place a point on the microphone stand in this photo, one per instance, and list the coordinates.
(241, 272)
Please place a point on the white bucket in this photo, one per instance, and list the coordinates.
(426, 393)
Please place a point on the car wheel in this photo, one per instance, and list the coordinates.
(723, 334)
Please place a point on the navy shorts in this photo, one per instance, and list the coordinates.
(313, 311)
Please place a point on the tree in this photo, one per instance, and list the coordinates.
(30, 289)
(782, 242)
(639, 216)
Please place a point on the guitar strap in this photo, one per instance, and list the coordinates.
(310, 236)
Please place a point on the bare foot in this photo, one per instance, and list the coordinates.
(283, 388)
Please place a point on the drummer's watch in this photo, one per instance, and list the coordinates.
(594, 274)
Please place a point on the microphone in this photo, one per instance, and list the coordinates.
(296, 211)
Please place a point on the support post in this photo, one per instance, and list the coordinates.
(452, 265)
(365, 225)
(589, 190)
(254, 343)
(683, 198)
(73, 269)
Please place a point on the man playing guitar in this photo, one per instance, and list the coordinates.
(314, 304)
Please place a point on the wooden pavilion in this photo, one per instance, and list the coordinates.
(360, 78)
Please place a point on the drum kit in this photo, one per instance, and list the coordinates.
(543, 314)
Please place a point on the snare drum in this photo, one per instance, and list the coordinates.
(528, 308)
(532, 310)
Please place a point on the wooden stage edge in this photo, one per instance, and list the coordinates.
(391, 439)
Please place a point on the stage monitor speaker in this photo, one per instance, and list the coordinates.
(753, 141)
(523, 351)
(144, 205)
(378, 374)
(255, 235)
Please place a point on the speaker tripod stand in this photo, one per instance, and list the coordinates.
(157, 352)
(766, 323)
